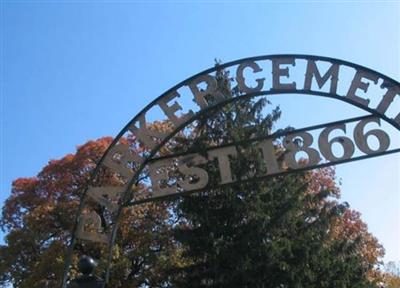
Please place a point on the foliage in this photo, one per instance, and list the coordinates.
(284, 232)
(38, 218)
(287, 231)
(392, 281)
(391, 277)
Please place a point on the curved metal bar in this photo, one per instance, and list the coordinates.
(126, 194)
(306, 168)
(269, 136)
(185, 82)
(242, 97)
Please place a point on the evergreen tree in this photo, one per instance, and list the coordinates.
(270, 233)
(282, 232)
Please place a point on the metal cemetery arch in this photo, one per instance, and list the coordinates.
(119, 159)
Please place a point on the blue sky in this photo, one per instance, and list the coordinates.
(79, 70)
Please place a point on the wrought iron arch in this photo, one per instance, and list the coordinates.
(124, 200)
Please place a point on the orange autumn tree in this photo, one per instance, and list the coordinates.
(39, 214)
(350, 226)
(38, 217)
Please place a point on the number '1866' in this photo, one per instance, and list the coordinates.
(302, 142)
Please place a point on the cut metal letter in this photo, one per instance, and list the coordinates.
(210, 94)
(106, 196)
(313, 72)
(89, 228)
(145, 135)
(223, 162)
(159, 177)
(196, 177)
(118, 157)
(172, 109)
(357, 83)
(268, 152)
(277, 72)
(242, 81)
(387, 99)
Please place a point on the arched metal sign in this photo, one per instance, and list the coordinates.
(257, 76)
